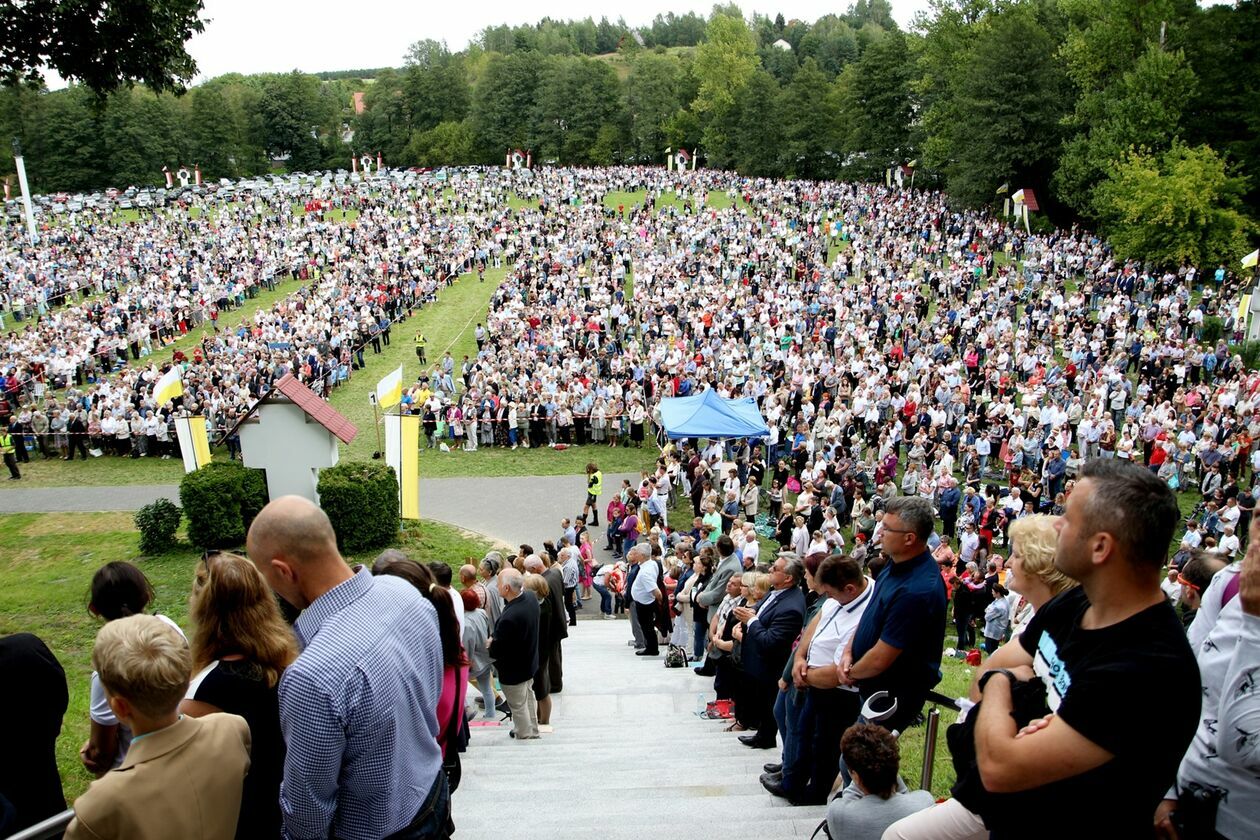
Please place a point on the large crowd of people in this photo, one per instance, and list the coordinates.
(940, 390)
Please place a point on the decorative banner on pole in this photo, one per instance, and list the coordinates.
(169, 386)
(1250, 260)
(194, 445)
(389, 389)
(402, 452)
(170, 180)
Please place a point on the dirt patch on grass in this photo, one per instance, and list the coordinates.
(65, 524)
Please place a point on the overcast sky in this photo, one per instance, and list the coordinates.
(260, 36)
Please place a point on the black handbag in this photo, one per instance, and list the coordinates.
(456, 743)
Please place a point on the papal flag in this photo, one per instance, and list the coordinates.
(169, 386)
(194, 446)
(670, 150)
(1250, 260)
(1005, 188)
(402, 452)
(389, 389)
(912, 164)
(1018, 197)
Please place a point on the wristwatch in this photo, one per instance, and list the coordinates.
(984, 678)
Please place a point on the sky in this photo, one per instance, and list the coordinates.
(264, 36)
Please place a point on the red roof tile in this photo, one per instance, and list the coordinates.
(317, 408)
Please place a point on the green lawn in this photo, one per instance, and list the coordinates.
(47, 562)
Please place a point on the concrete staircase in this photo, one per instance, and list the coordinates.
(629, 758)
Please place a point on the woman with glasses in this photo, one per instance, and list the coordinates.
(240, 647)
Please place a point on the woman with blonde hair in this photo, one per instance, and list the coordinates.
(240, 647)
(1030, 570)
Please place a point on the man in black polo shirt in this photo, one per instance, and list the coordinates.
(1113, 659)
(897, 645)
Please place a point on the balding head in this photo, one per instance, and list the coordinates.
(511, 584)
(293, 545)
(467, 575)
(534, 563)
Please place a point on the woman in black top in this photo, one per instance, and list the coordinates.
(240, 647)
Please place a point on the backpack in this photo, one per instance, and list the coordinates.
(615, 582)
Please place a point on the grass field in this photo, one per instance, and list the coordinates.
(47, 562)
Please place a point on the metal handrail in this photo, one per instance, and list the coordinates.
(49, 829)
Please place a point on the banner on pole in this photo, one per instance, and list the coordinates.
(194, 444)
(402, 452)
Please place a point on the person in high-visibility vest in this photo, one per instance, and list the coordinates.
(594, 486)
(10, 455)
(421, 341)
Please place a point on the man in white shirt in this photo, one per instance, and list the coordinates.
(645, 594)
(1171, 585)
(822, 708)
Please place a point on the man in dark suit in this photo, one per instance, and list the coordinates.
(767, 634)
(559, 630)
(514, 648)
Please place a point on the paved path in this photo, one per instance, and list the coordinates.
(628, 760)
(517, 509)
(125, 497)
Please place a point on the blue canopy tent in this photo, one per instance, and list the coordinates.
(708, 415)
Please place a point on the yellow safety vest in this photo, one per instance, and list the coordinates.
(595, 483)
(421, 340)
(6, 444)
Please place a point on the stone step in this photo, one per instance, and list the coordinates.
(628, 758)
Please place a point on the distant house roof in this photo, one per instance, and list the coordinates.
(358, 102)
(289, 390)
(1030, 199)
(782, 45)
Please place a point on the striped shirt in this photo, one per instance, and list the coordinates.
(359, 711)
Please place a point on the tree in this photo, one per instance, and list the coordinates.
(809, 117)
(503, 104)
(1176, 207)
(102, 43)
(446, 144)
(876, 108)
(435, 83)
(576, 98)
(1006, 115)
(651, 99)
(210, 132)
(724, 64)
(290, 114)
(756, 127)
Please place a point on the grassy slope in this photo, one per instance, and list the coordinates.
(47, 562)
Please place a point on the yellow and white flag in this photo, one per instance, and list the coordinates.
(1018, 197)
(402, 452)
(389, 389)
(194, 445)
(169, 386)
(1250, 260)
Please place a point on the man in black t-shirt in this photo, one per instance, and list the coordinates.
(1113, 659)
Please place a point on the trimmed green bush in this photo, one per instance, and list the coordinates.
(361, 500)
(157, 523)
(1213, 329)
(220, 500)
(1249, 351)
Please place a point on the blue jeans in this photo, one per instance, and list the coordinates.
(433, 821)
(701, 635)
(787, 712)
(605, 599)
(485, 682)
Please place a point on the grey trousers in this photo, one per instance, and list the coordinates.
(639, 640)
(520, 699)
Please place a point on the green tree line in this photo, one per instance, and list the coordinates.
(1133, 116)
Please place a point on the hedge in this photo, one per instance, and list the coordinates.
(361, 500)
(221, 500)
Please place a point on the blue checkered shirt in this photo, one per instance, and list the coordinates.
(359, 711)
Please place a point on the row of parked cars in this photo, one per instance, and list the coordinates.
(294, 185)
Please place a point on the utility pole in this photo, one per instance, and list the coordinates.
(26, 190)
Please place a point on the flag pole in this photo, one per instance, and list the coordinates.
(376, 414)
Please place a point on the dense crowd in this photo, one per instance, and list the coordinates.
(939, 390)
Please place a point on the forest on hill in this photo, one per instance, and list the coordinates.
(1117, 112)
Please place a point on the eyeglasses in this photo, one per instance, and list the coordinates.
(1182, 580)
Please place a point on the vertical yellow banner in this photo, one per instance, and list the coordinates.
(201, 443)
(410, 477)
